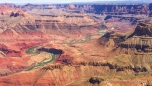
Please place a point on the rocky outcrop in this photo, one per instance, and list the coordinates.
(18, 12)
(111, 39)
(10, 53)
(135, 46)
(140, 37)
(9, 32)
(5, 10)
(118, 68)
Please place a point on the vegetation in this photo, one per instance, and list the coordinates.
(32, 50)
(43, 62)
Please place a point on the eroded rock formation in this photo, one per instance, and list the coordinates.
(122, 9)
(140, 37)
(135, 46)
(5, 10)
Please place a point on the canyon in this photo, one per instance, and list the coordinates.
(75, 45)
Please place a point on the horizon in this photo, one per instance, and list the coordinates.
(66, 1)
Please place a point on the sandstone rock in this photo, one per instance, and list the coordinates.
(5, 10)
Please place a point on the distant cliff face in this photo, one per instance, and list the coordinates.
(122, 9)
(133, 9)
